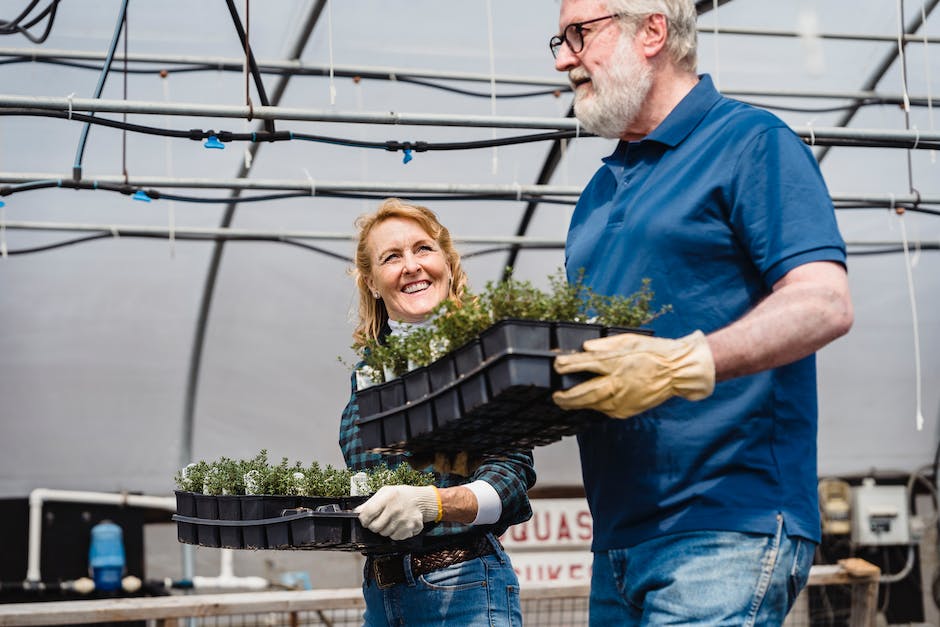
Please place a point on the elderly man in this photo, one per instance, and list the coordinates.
(704, 497)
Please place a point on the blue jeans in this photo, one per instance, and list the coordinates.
(481, 592)
(701, 578)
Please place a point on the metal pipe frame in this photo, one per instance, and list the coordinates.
(234, 234)
(457, 189)
(815, 134)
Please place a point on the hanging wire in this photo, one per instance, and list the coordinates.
(14, 26)
(80, 152)
(908, 265)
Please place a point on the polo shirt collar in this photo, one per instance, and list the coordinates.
(683, 119)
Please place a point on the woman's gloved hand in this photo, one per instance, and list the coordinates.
(399, 512)
(638, 372)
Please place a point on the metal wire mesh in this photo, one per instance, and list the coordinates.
(817, 606)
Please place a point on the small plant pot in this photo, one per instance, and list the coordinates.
(253, 536)
(509, 335)
(186, 506)
(392, 394)
(571, 336)
(468, 359)
(417, 384)
(395, 429)
(370, 431)
(277, 533)
(519, 370)
(331, 527)
(420, 418)
(207, 508)
(369, 401)
(419, 408)
(230, 509)
(445, 400)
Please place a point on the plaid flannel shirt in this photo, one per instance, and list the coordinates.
(511, 476)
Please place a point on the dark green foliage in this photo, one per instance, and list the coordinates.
(228, 476)
(454, 326)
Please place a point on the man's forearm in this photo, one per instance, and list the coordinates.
(808, 308)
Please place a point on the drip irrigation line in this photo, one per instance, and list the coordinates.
(252, 64)
(100, 232)
(549, 91)
(868, 102)
(30, 105)
(179, 237)
(479, 94)
(14, 26)
(80, 152)
(266, 136)
(154, 194)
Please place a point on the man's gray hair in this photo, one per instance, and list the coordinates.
(681, 18)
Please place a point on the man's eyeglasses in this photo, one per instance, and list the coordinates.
(574, 35)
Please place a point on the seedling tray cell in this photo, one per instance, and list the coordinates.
(369, 401)
(207, 507)
(252, 508)
(327, 528)
(230, 509)
(511, 335)
(395, 428)
(490, 396)
(186, 505)
(570, 336)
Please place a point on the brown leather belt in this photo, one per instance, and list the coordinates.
(389, 570)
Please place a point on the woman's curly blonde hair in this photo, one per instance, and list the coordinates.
(372, 312)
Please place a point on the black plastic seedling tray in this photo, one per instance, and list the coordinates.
(490, 396)
(317, 523)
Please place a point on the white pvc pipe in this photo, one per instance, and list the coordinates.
(227, 578)
(264, 112)
(40, 495)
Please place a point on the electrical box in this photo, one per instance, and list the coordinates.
(880, 514)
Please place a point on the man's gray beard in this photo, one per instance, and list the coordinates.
(618, 94)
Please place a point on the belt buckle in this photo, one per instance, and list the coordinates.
(377, 570)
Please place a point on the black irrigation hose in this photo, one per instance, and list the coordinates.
(181, 237)
(232, 67)
(478, 94)
(416, 146)
(252, 65)
(265, 136)
(14, 26)
(79, 153)
(886, 250)
(890, 250)
(888, 206)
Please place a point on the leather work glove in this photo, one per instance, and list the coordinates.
(638, 372)
(400, 511)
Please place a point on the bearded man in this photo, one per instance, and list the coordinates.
(704, 494)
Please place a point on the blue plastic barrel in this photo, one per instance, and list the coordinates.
(106, 556)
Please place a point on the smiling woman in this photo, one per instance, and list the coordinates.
(406, 266)
(409, 270)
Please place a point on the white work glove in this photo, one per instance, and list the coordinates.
(400, 511)
(638, 372)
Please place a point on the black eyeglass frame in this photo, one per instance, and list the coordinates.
(554, 44)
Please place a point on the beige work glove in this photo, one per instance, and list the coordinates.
(400, 511)
(638, 372)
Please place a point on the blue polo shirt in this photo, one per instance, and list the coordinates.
(715, 205)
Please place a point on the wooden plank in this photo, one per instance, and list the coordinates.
(862, 576)
(177, 606)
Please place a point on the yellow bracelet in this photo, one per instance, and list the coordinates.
(440, 505)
